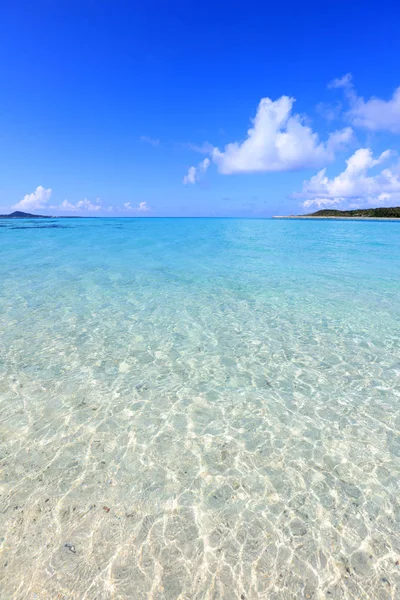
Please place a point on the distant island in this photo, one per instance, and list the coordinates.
(358, 213)
(23, 215)
(18, 214)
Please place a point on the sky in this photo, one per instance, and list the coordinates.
(117, 108)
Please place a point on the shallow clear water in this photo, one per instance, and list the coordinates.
(199, 409)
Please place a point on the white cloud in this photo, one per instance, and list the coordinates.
(204, 165)
(88, 205)
(342, 82)
(142, 207)
(191, 176)
(38, 199)
(82, 205)
(65, 205)
(149, 140)
(205, 148)
(375, 113)
(354, 187)
(278, 141)
(194, 173)
(330, 112)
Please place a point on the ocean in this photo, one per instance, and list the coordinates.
(199, 409)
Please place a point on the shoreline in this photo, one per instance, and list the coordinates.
(340, 218)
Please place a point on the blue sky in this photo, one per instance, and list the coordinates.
(111, 108)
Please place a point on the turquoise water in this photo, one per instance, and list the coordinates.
(199, 409)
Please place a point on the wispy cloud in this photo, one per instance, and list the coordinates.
(191, 176)
(141, 207)
(205, 148)
(354, 187)
(345, 82)
(194, 173)
(330, 112)
(148, 140)
(375, 113)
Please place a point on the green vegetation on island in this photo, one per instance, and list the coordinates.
(17, 214)
(374, 213)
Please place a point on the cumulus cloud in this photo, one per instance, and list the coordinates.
(279, 141)
(194, 173)
(148, 140)
(37, 199)
(82, 205)
(88, 205)
(141, 207)
(375, 113)
(354, 187)
(65, 205)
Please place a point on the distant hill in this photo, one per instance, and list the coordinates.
(23, 215)
(376, 213)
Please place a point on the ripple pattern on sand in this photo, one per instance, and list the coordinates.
(192, 413)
